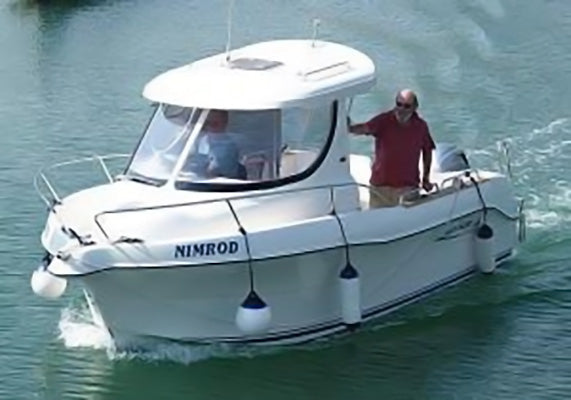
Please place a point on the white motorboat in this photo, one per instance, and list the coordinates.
(283, 250)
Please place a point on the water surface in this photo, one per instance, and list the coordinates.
(71, 73)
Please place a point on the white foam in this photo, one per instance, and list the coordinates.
(552, 127)
(77, 330)
(541, 219)
(161, 350)
(550, 209)
(539, 159)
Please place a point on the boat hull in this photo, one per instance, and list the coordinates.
(198, 303)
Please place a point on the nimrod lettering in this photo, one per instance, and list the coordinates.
(205, 249)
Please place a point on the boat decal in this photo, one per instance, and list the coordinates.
(459, 228)
(206, 249)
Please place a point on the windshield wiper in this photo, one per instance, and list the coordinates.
(143, 179)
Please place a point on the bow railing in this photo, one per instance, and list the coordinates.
(51, 193)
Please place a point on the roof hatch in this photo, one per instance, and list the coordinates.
(253, 64)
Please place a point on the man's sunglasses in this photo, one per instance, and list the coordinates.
(403, 105)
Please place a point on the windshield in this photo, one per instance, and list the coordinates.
(162, 143)
(192, 146)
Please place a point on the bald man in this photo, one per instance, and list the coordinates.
(401, 135)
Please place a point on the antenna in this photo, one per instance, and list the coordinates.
(316, 23)
(350, 106)
(229, 29)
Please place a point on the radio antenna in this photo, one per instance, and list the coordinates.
(316, 23)
(229, 29)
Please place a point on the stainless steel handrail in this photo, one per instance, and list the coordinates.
(229, 199)
(41, 175)
(453, 179)
(222, 199)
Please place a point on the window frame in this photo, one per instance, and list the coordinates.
(269, 184)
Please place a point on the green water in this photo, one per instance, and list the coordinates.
(71, 73)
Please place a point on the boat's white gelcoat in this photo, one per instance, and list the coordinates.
(173, 264)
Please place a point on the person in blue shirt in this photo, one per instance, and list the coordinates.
(223, 157)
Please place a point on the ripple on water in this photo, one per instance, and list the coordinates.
(77, 330)
(539, 160)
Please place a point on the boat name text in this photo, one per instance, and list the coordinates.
(205, 249)
(459, 228)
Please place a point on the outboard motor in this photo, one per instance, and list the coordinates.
(448, 157)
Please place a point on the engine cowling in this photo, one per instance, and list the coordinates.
(448, 157)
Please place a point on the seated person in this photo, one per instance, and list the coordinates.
(258, 136)
(221, 157)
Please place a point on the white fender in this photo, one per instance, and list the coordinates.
(47, 285)
(484, 248)
(350, 288)
(254, 316)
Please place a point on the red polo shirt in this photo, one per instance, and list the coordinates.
(397, 149)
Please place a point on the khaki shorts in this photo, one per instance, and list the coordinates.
(387, 196)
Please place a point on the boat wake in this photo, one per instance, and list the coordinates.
(539, 165)
(77, 330)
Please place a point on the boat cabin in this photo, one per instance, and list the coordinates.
(261, 116)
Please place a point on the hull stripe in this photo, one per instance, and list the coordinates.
(297, 335)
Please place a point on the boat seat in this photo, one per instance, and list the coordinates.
(256, 166)
(296, 161)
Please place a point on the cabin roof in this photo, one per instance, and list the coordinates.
(267, 75)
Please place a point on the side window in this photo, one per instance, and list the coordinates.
(258, 137)
(237, 147)
(305, 132)
(275, 144)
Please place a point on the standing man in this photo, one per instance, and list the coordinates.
(400, 136)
